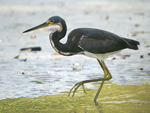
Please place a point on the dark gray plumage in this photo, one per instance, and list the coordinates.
(98, 41)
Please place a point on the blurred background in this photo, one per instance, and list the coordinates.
(41, 73)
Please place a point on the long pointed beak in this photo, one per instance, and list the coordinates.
(45, 24)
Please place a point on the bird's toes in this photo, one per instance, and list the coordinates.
(77, 86)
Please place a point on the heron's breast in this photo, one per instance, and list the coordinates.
(99, 55)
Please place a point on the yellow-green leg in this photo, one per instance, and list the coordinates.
(106, 72)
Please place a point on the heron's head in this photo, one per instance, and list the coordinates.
(54, 20)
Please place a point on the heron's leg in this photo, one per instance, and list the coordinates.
(107, 69)
(103, 67)
(106, 72)
(83, 88)
(77, 85)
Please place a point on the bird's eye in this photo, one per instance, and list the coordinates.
(50, 21)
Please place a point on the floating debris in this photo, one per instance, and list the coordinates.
(16, 57)
(24, 60)
(30, 49)
(124, 56)
(113, 58)
(33, 36)
(141, 56)
(136, 33)
(141, 68)
(37, 82)
(107, 17)
(130, 18)
(76, 64)
(147, 46)
(137, 25)
(139, 13)
(32, 75)
(56, 53)
(26, 50)
(50, 72)
(77, 68)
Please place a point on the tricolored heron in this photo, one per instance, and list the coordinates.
(91, 42)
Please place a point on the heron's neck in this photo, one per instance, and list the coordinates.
(55, 38)
(59, 34)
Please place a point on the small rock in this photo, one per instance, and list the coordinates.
(124, 56)
(24, 60)
(141, 68)
(28, 49)
(76, 64)
(137, 25)
(16, 57)
(130, 18)
(148, 53)
(32, 75)
(141, 56)
(136, 33)
(33, 36)
(22, 73)
(49, 72)
(113, 58)
(77, 68)
(107, 17)
(139, 13)
(56, 54)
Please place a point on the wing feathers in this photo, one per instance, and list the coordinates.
(99, 46)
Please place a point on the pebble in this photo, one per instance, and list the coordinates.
(124, 56)
(141, 68)
(141, 56)
(33, 36)
(56, 53)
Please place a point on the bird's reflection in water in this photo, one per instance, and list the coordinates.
(96, 108)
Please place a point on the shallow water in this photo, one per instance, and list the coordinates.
(57, 74)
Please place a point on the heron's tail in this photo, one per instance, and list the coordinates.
(133, 44)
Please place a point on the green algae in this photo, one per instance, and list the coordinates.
(113, 98)
(37, 82)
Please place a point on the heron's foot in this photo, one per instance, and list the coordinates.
(75, 87)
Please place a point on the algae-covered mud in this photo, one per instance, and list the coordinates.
(31, 74)
(113, 99)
